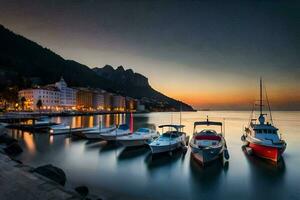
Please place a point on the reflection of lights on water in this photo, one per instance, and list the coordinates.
(78, 121)
(67, 142)
(107, 120)
(73, 124)
(58, 120)
(90, 121)
(51, 139)
(116, 119)
(28, 139)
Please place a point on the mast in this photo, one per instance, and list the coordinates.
(260, 97)
(180, 114)
(261, 118)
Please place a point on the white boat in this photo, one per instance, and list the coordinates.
(95, 133)
(44, 121)
(65, 129)
(3, 125)
(59, 129)
(173, 139)
(122, 130)
(140, 137)
(207, 145)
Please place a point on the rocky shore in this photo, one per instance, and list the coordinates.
(21, 182)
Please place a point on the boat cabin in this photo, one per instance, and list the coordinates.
(144, 131)
(266, 132)
(207, 137)
(173, 130)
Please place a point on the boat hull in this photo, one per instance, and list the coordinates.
(111, 137)
(205, 155)
(267, 152)
(155, 149)
(133, 143)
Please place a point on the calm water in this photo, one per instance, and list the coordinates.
(118, 173)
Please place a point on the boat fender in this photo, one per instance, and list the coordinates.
(184, 149)
(243, 138)
(226, 154)
(249, 150)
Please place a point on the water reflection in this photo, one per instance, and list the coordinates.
(154, 161)
(206, 179)
(266, 173)
(132, 152)
(135, 173)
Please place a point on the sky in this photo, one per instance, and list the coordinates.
(209, 54)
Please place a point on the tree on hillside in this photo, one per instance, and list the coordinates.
(23, 100)
(39, 104)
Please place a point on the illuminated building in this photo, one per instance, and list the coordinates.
(84, 99)
(49, 96)
(118, 103)
(67, 94)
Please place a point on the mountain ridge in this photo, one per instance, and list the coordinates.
(24, 63)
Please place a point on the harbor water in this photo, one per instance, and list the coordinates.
(113, 172)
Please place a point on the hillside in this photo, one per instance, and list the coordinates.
(24, 63)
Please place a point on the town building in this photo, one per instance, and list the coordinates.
(118, 103)
(84, 99)
(48, 95)
(67, 94)
(131, 104)
(108, 101)
(98, 99)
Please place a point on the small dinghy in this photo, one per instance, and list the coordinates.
(170, 140)
(207, 145)
(122, 130)
(140, 137)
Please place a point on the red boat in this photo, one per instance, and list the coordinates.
(262, 138)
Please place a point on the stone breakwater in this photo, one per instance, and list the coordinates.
(22, 182)
(19, 182)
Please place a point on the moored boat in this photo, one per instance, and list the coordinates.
(206, 144)
(95, 133)
(170, 140)
(261, 138)
(140, 137)
(59, 129)
(122, 130)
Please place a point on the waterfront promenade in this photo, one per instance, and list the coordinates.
(17, 182)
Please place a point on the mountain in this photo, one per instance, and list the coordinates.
(24, 63)
(136, 85)
(29, 61)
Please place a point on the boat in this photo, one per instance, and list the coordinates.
(261, 137)
(208, 145)
(170, 140)
(59, 129)
(3, 125)
(95, 133)
(122, 130)
(141, 137)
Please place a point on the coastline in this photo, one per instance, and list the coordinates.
(18, 182)
(21, 182)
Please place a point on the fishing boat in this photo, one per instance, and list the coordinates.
(207, 144)
(95, 133)
(122, 130)
(170, 140)
(260, 137)
(140, 137)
